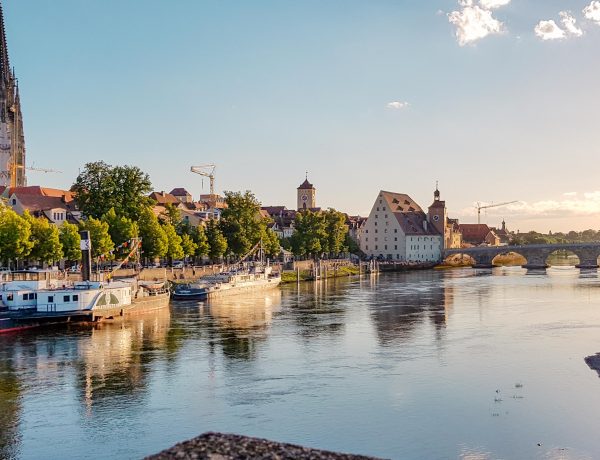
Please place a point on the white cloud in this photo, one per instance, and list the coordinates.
(397, 105)
(549, 30)
(474, 23)
(569, 22)
(491, 4)
(570, 205)
(592, 11)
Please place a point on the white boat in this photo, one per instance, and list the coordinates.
(228, 283)
(35, 298)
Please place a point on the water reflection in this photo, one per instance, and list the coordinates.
(241, 322)
(10, 404)
(414, 299)
(114, 361)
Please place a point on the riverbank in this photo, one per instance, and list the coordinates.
(290, 276)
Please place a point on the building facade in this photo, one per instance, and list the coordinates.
(398, 229)
(12, 138)
(306, 196)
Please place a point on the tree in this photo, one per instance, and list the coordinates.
(188, 245)
(100, 187)
(102, 244)
(154, 239)
(216, 241)
(336, 229)
(201, 240)
(271, 243)
(45, 238)
(174, 249)
(171, 215)
(241, 222)
(310, 237)
(120, 228)
(15, 233)
(70, 240)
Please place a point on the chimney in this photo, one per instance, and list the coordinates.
(425, 225)
(86, 255)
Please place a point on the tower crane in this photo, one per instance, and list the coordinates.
(207, 170)
(487, 206)
(44, 170)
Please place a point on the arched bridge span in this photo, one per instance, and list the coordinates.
(536, 254)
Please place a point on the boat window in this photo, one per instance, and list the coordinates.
(25, 296)
(102, 300)
(75, 298)
(50, 298)
(67, 298)
(0, 296)
(114, 299)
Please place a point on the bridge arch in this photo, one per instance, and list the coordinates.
(509, 259)
(563, 258)
(459, 260)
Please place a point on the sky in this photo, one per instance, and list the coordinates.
(498, 100)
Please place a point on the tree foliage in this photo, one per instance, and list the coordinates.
(319, 233)
(241, 222)
(120, 228)
(155, 242)
(70, 240)
(102, 243)
(46, 245)
(174, 249)
(15, 233)
(216, 240)
(100, 187)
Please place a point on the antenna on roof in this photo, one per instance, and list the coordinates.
(306, 175)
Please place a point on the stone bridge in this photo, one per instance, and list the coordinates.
(536, 254)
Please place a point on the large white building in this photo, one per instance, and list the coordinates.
(398, 229)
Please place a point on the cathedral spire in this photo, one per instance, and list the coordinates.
(5, 73)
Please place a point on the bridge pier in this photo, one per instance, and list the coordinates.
(483, 261)
(588, 258)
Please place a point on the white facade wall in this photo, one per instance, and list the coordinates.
(424, 248)
(381, 235)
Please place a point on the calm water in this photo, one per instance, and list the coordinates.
(438, 364)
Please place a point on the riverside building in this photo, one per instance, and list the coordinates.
(398, 229)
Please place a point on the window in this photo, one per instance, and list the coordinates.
(396, 247)
(9, 297)
(378, 210)
(375, 230)
(395, 239)
(385, 230)
(385, 246)
(375, 246)
(14, 201)
(376, 239)
(367, 231)
(376, 214)
(385, 215)
(375, 225)
(395, 230)
(25, 296)
(384, 210)
(367, 239)
(50, 298)
(75, 297)
(67, 298)
(367, 247)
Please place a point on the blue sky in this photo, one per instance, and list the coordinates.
(269, 89)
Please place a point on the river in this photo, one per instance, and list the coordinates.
(469, 364)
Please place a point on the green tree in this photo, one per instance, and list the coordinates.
(15, 233)
(70, 240)
(154, 239)
(201, 240)
(351, 245)
(188, 245)
(336, 230)
(216, 241)
(174, 249)
(102, 244)
(171, 215)
(241, 222)
(100, 187)
(120, 228)
(45, 238)
(271, 243)
(310, 237)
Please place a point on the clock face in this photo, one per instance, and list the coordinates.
(436, 218)
(304, 198)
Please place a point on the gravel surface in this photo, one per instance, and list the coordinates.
(218, 446)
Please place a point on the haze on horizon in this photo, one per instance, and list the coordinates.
(496, 99)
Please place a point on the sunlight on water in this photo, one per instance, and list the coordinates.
(460, 363)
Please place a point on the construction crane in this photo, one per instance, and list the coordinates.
(44, 170)
(487, 206)
(206, 171)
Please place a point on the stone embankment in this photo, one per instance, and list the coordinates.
(218, 446)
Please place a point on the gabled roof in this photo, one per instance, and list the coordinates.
(164, 198)
(408, 213)
(42, 203)
(180, 191)
(38, 190)
(474, 233)
(305, 185)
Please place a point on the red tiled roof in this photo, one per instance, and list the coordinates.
(164, 198)
(474, 233)
(42, 203)
(180, 191)
(38, 190)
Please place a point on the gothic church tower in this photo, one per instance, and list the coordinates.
(12, 138)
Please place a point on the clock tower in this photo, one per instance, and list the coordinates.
(437, 214)
(306, 195)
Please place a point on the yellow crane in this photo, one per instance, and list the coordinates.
(207, 170)
(487, 206)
